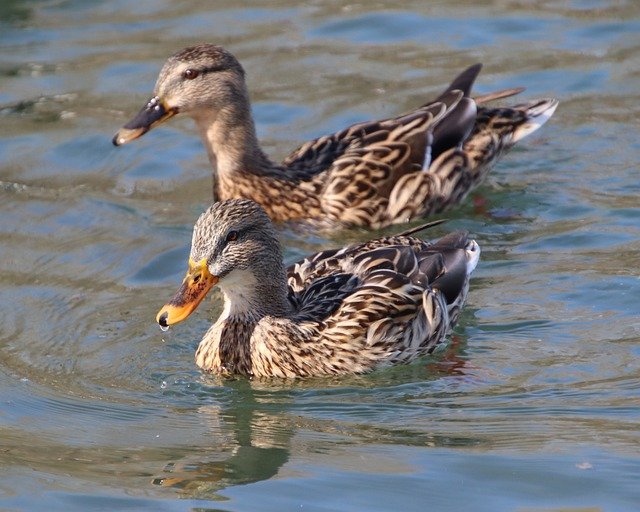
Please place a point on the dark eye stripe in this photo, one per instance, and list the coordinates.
(201, 71)
(213, 69)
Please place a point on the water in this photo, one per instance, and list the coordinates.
(532, 406)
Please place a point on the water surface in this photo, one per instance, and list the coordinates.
(532, 406)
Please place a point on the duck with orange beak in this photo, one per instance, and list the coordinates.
(341, 311)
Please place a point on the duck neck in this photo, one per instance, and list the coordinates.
(229, 135)
(247, 300)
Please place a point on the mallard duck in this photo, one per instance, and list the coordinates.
(343, 311)
(371, 174)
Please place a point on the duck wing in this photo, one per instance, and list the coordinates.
(382, 302)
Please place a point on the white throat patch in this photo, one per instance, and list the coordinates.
(238, 288)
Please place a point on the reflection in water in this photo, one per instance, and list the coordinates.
(533, 405)
(244, 445)
(14, 12)
(449, 362)
(255, 431)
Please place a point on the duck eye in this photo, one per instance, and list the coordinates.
(232, 236)
(190, 74)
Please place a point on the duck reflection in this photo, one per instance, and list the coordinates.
(261, 424)
(250, 442)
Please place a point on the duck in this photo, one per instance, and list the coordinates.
(341, 311)
(370, 175)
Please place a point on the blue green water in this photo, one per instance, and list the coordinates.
(534, 404)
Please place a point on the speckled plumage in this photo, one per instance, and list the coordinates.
(371, 174)
(342, 311)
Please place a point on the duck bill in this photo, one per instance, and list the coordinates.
(155, 112)
(195, 286)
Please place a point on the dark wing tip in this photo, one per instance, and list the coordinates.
(464, 81)
(454, 128)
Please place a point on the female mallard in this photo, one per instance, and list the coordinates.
(371, 174)
(342, 311)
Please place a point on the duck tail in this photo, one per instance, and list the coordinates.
(455, 256)
(456, 241)
(472, 251)
(498, 95)
(537, 112)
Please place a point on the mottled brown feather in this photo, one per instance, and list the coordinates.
(371, 174)
(349, 310)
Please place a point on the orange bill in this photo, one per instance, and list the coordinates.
(195, 286)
